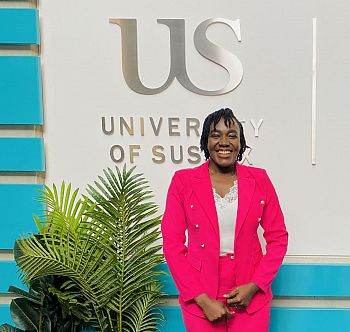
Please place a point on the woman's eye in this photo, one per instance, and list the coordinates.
(232, 136)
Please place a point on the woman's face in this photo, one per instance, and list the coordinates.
(224, 143)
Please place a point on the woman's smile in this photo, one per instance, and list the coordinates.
(224, 152)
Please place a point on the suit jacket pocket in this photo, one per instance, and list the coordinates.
(195, 262)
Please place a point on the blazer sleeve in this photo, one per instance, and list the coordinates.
(276, 236)
(173, 228)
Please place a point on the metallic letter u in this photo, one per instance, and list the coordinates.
(178, 55)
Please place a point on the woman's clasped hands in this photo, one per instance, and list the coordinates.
(241, 295)
(213, 309)
(238, 298)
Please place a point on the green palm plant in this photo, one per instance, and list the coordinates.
(125, 214)
(103, 247)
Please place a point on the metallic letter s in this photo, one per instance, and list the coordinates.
(219, 55)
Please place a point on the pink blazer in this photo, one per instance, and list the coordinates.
(190, 206)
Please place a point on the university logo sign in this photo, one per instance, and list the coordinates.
(205, 47)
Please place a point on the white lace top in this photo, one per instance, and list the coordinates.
(226, 208)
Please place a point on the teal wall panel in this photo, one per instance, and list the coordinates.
(297, 280)
(309, 319)
(5, 316)
(22, 154)
(17, 206)
(9, 276)
(20, 90)
(174, 322)
(313, 280)
(19, 26)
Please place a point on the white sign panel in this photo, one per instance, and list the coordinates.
(131, 82)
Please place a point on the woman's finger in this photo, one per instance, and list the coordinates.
(234, 300)
(229, 313)
(231, 294)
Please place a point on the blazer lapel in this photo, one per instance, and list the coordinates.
(202, 188)
(246, 186)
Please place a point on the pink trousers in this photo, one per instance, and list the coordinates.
(241, 321)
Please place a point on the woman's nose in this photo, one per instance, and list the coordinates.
(223, 140)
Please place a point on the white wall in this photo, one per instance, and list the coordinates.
(83, 81)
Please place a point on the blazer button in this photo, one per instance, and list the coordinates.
(262, 202)
(202, 245)
(232, 257)
(259, 219)
(191, 206)
(196, 225)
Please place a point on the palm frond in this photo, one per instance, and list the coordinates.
(143, 316)
(124, 211)
(103, 246)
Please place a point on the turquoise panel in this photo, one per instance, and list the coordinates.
(309, 320)
(174, 322)
(20, 90)
(17, 207)
(282, 320)
(19, 26)
(9, 276)
(22, 154)
(298, 280)
(5, 316)
(312, 280)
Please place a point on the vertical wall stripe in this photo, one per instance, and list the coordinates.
(20, 90)
(314, 92)
(20, 104)
(19, 26)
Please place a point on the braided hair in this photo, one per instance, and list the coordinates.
(229, 119)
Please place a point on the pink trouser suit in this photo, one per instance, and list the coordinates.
(198, 268)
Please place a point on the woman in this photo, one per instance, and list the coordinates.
(222, 277)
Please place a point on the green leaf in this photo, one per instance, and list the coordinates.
(9, 328)
(30, 297)
(24, 314)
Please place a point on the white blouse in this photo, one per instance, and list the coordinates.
(226, 208)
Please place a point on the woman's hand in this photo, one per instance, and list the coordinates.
(241, 295)
(212, 309)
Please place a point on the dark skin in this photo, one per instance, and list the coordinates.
(223, 146)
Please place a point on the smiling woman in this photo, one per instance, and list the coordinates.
(223, 147)
(222, 126)
(222, 277)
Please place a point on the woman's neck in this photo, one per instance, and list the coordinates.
(216, 169)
